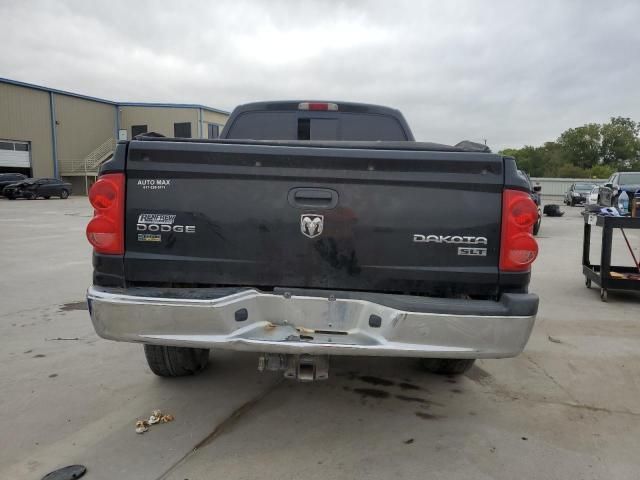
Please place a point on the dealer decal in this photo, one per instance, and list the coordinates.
(159, 218)
(155, 223)
(149, 237)
(154, 183)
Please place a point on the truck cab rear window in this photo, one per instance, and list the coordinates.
(316, 126)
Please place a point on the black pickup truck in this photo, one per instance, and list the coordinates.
(312, 229)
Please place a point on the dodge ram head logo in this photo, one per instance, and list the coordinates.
(311, 225)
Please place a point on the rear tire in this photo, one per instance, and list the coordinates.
(447, 366)
(64, 194)
(175, 361)
(47, 197)
(536, 226)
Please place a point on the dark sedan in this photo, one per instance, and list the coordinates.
(32, 188)
(9, 178)
(578, 193)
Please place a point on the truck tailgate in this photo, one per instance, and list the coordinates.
(375, 219)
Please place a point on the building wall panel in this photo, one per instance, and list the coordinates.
(82, 125)
(213, 117)
(25, 115)
(158, 119)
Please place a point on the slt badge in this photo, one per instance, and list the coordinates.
(311, 225)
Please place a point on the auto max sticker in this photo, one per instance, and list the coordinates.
(154, 183)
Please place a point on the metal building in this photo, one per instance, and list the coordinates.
(46, 132)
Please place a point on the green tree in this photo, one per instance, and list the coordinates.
(589, 151)
(581, 145)
(620, 143)
(536, 161)
(526, 158)
(601, 171)
(552, 159)
(571, 171)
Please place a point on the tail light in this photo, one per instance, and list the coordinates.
(518, 248)
(105, 231)
(318, 106)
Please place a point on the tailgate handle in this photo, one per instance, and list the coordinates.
(313, 197)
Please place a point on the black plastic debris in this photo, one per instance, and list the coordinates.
(66, 473)
(552, 210)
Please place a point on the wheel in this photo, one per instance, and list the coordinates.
(175, 361)
(536, 226)
(47, 197)
(11, 197)
(603, 294)
(447, 366)
(64, 194)
(587, 282)
(30, 196)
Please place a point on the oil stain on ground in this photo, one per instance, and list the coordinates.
(478, 375)
(428, 416)
(423, 401)
(376, 381)
(68, 307)
(406, 398)
(371, 392)
(408, 386)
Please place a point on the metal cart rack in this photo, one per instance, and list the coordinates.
(601, 274)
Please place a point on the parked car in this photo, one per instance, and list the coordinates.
(616, 184)
(592, 198)
(373, 245)
(578, 193)
(9, 178)
(535, 190)
(32, 188)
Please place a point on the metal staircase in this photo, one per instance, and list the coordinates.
(89, 164)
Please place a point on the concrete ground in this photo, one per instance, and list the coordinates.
(567, 408)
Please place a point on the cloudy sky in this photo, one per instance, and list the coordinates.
(512, 72)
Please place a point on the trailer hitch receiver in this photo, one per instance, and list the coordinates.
(304, 368)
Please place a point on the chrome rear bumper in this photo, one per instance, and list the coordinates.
(315, 322)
